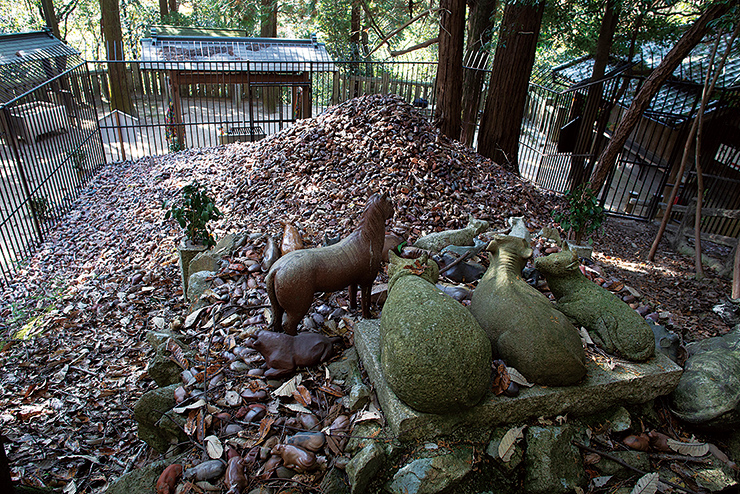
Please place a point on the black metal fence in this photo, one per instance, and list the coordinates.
(50, 147)
(176, 107)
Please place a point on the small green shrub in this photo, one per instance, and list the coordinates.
(41, 207)
(583, 215)
(194, 212)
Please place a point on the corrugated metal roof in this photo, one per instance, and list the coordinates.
(27, 60)
(234, 54)
(676, 99)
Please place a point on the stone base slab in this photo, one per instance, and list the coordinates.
(628, 383)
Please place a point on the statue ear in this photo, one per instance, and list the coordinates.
(566, 246)
(392, 257)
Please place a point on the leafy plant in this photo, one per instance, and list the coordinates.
(583, 214)
(79, 158)
(41, 207)
(194, 213)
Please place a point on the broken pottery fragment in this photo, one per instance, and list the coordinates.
(434, 355)
(526, 331)
(437, 241)
(614, 325)
(355, 260)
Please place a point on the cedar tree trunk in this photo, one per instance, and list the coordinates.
(594, 96)
(268, 25)
(501, 122)
(118, 78)
(480, 23)
(449, 70)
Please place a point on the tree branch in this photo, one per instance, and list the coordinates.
(415, 47)
(385, 39)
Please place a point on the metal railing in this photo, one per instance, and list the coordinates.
(50, 147)
(175, 108)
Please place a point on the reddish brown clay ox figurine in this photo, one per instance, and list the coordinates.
(355, 260)
(283, 353)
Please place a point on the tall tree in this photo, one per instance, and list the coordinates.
(500, 125)
(449, 68)
(164, 9)
(480, 25)
(594, 95)
(118, 77)
(268, 23)
(640, 103)
(50, 17)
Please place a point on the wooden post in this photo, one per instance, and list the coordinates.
(177, 121)
(120, 134)
(335, 88)
(307, 96)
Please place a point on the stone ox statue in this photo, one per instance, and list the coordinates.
(613, 324)
(434, 355)
(295, 277)
(525, 330)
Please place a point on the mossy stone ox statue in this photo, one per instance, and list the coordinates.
(437, 241)
(355, 260)
(524, 328)
(434, 355)
(613, 324)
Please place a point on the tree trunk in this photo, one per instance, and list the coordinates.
(50, 17)
(118, 77)
(695, 126)
(480, 23)
(268, 25)
(173, 6)
(164, 9)
(498, 137)
(594, 96)
(449, 70)
(688, 41)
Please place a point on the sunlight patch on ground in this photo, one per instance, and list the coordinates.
(639, 267)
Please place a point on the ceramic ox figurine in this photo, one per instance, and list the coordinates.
(355, 260)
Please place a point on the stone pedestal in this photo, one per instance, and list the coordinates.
(187, 251)
(628, 383)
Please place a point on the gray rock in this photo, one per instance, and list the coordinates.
(334, 482)
(602, 388)
(205, 261)
(347, 369)
(666, 342)
(433, 475)
(149, 410)
(637, 459)
(359, 396)
(199, 282)
(434, 355)
(164, 370)
(492, 451)
(364, 466)
(362, 435)
(729, 311)
(141, 479)
(552, 464)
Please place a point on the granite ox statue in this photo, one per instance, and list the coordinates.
(355, 260)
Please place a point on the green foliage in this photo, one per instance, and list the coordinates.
(41, 207)
(583, 215)
(194, 213)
